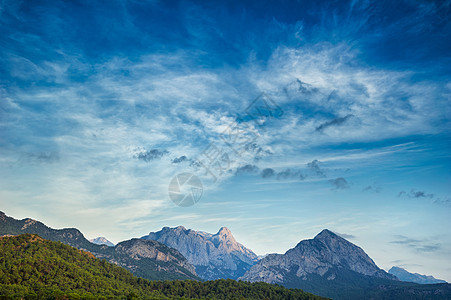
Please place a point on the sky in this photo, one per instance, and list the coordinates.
(294, 116)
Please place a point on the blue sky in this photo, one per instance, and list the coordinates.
(102, 103)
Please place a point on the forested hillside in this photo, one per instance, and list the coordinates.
(149, 259)
(34, 268)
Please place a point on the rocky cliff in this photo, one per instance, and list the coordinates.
(327, 251)
(214, 255)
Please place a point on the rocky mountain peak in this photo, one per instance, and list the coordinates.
(214, 255)
(326, 234)
(332, 240)
(102, 241)
(325, 255)
(224, 239)
(224, 231)
(179, 229)
(224, 234)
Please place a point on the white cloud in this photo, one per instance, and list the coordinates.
(163, 102)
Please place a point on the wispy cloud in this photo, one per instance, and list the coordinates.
(334, 122)
(346, 236)
(291, 174)
(445, 202)
(416, 244)
(247, 169)
(98, 116)
(41, 157)
(149, 155)
(267, 173)
(339, 183)
(372, 188)
(284, 174)
(418, 194)
(314, 167)
(180, 159)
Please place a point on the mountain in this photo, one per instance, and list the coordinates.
(69, 236)
(403, 275)
(213, 255)
(148, 259)
(152, 260)
(35, 268)
(330, 266)
(101, 241)
(327, 253)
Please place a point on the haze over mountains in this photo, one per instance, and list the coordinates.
(214, 255)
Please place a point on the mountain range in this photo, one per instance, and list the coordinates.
(327, 265)
(34, 268)
(144, 258)
(327, 253)
(404, 275)
(213, 255)
(330, 266)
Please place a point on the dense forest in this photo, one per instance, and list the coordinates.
(34, 268)
(149, 268)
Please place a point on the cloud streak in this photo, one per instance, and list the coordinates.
(422, 246)
(418, 194)
(334, 122)
(149, 155)
(415, 194)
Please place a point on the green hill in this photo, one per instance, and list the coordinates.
(148, 259)
(34, 268)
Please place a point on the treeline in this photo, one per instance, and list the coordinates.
(227, 289)
(34, 268)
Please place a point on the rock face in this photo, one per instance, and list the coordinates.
(214, 255)
(147, 259)
(327, 251)
(329, 265)
(101, 241)
(404, 275)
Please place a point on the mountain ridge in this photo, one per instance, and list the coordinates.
(331, 266)
(405, 275)
(325, 251)
(215, 256)
(34, 268)
(315, 263)
(326, 265)
(161, 262)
